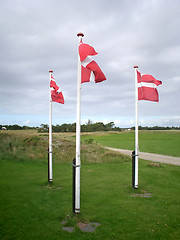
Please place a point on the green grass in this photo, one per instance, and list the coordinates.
(162, 142)
(30, 208)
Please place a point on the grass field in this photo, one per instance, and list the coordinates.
(30, 208)
(162, 142)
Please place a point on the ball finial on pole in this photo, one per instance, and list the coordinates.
(50, 71)
(80, 34)
(135, 66)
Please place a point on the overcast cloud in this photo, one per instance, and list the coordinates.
(40, 35)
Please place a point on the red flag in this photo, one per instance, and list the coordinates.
(53, 84)
(90, 71)
(85, 50)
(147, 85)
(56, 93)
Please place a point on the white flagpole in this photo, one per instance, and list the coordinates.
(50, 133)
(136, 129)
(78, 137)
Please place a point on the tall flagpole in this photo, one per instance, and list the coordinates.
(50, 177)
(78, 137)
(136, 129)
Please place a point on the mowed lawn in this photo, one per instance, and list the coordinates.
(161, 142)
(30, 208)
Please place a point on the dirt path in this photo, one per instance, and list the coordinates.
(150, 156)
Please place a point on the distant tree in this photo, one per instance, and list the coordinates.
(44, 126)
(110, 126)
(89, 122)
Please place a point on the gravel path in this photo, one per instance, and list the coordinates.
(150, 156)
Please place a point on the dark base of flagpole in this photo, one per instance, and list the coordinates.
(73, 184)
(49, 180)
(75, 210)
(48, 163)
(133, 169)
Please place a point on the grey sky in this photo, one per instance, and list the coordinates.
(37, 36)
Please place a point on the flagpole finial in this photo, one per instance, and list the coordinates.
(80, 34)
(135, 66)
(50, 71)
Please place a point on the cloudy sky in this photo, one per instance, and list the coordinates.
(40, 35)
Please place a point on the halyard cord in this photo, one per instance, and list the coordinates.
(75, 165)
(134, 154)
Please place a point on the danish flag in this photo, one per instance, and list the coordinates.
(90, 71)
(56, 93)
(147, 87)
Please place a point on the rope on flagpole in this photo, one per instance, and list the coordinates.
(74, 165)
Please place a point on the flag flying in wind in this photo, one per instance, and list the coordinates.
(90, 71)
(147, 85)
(56, 93)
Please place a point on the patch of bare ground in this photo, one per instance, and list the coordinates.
(143, 194)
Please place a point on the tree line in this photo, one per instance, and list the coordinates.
(156, 128)
(15, 127)
(88, 127)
